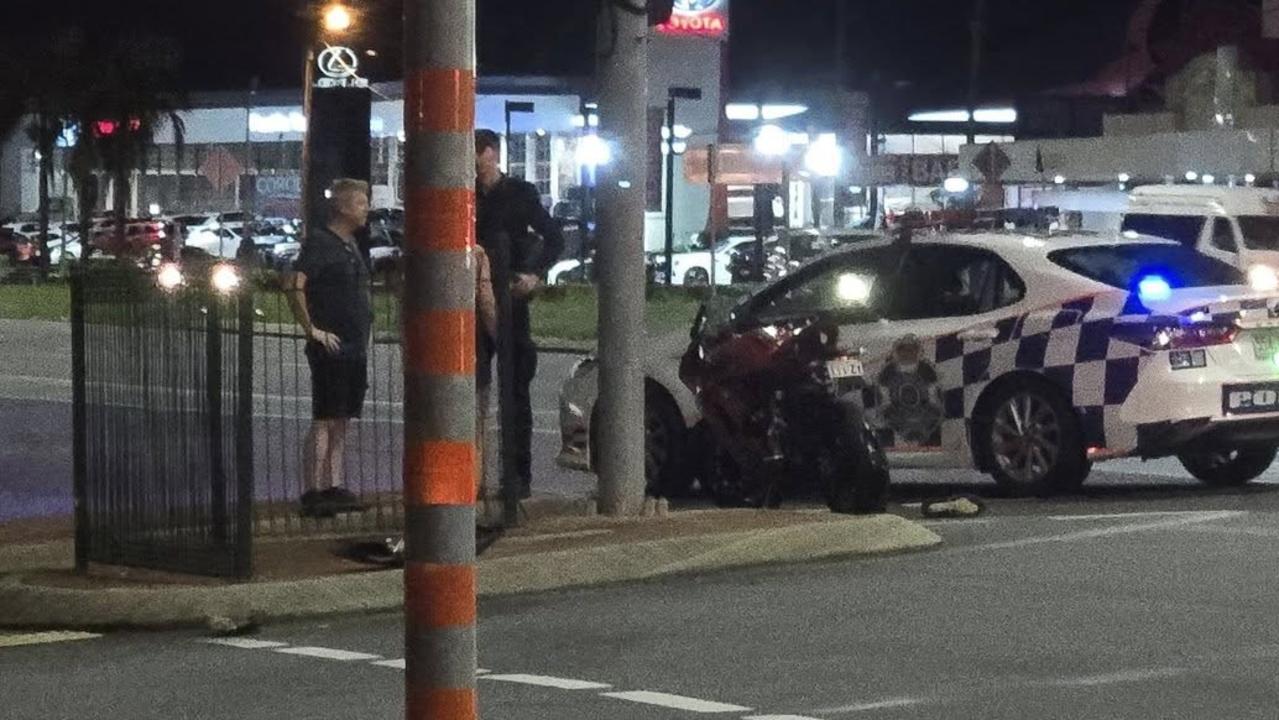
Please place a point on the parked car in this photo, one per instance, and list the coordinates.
(142, 238)
(1025, 358)
(17, 248)
(220, 242)
(1236, 225)
(693, 267)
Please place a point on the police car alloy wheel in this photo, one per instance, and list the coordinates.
(1229, 467)
(1034, 441)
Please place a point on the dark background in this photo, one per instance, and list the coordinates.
(919, 47)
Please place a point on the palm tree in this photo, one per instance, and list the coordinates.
(131, 97)
(114, 92)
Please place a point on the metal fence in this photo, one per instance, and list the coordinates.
(192, 410)
(163, 463)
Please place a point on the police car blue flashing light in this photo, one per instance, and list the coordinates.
(1153, 288)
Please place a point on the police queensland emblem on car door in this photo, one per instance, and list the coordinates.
(908, 409)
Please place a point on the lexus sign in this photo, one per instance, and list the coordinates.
(698, 18)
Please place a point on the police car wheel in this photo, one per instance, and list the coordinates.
(1230, 467)
(1034, 441)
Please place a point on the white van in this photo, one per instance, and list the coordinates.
(1237, 225)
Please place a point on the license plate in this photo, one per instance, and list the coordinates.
(1255, 399)
(843, 368)
(1265, 345)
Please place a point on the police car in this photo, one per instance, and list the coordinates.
(1026, 357)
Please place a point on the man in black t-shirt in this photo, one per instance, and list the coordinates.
(511, 223)
(329, 293)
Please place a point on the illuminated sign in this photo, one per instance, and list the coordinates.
(700, 18)
(340, 66)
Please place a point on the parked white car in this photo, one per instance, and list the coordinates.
(1027, 358)
(219, 242)
(693, 267)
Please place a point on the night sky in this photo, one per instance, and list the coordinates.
(918, 47)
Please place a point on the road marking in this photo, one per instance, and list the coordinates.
(779, 717)
(246, 643)
(1105, 532)
(43, 638)
(675, 702)
(395, 664)
(1126, 676)
(549, 682)
(888, 704)
(328, 654)
(1122, 516)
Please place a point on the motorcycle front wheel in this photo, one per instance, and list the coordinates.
(855, 472)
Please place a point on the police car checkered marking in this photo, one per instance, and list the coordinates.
(1074, 346)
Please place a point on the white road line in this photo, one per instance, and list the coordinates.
(1126, 676)
(246, 643)
(8, 640)
(675, 702)
(887, 704)
(328, 654)
(1122, 516)
(1105, 532)
(548, 682)
(401, 665)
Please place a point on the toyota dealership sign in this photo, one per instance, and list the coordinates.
(699, 18)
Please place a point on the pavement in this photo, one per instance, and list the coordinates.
(309, 577)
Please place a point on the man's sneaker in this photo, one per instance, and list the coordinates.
(316, 505)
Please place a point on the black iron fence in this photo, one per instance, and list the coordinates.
(162, 407)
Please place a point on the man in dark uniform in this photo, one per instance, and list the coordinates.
(511, 222)
(329, 293)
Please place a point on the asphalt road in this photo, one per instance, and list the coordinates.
(35, 422)
(35, 431)
(1105, 608)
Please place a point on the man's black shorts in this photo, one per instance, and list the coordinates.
(338, 383)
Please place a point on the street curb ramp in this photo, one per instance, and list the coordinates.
(27, 605)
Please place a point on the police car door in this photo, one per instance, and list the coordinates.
(930, 357)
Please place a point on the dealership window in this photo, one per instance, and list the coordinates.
(517, 157)
(542, 160)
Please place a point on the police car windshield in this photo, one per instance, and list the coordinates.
(1260, 232)
(1123, 266)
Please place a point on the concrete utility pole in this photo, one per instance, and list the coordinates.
(623, 97)
(440, 460)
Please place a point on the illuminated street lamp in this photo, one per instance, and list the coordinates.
(337, 18)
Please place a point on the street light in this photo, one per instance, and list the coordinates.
(337, 18)
(510, 109)
(675, 93)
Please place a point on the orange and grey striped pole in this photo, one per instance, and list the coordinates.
(440, 459)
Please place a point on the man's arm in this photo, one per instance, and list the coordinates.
(547, 227)
(295, 291)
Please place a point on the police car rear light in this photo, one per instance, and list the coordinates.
(1189, 337)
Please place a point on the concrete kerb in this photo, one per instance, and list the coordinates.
(27, 605)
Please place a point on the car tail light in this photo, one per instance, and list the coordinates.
(1179, 337)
